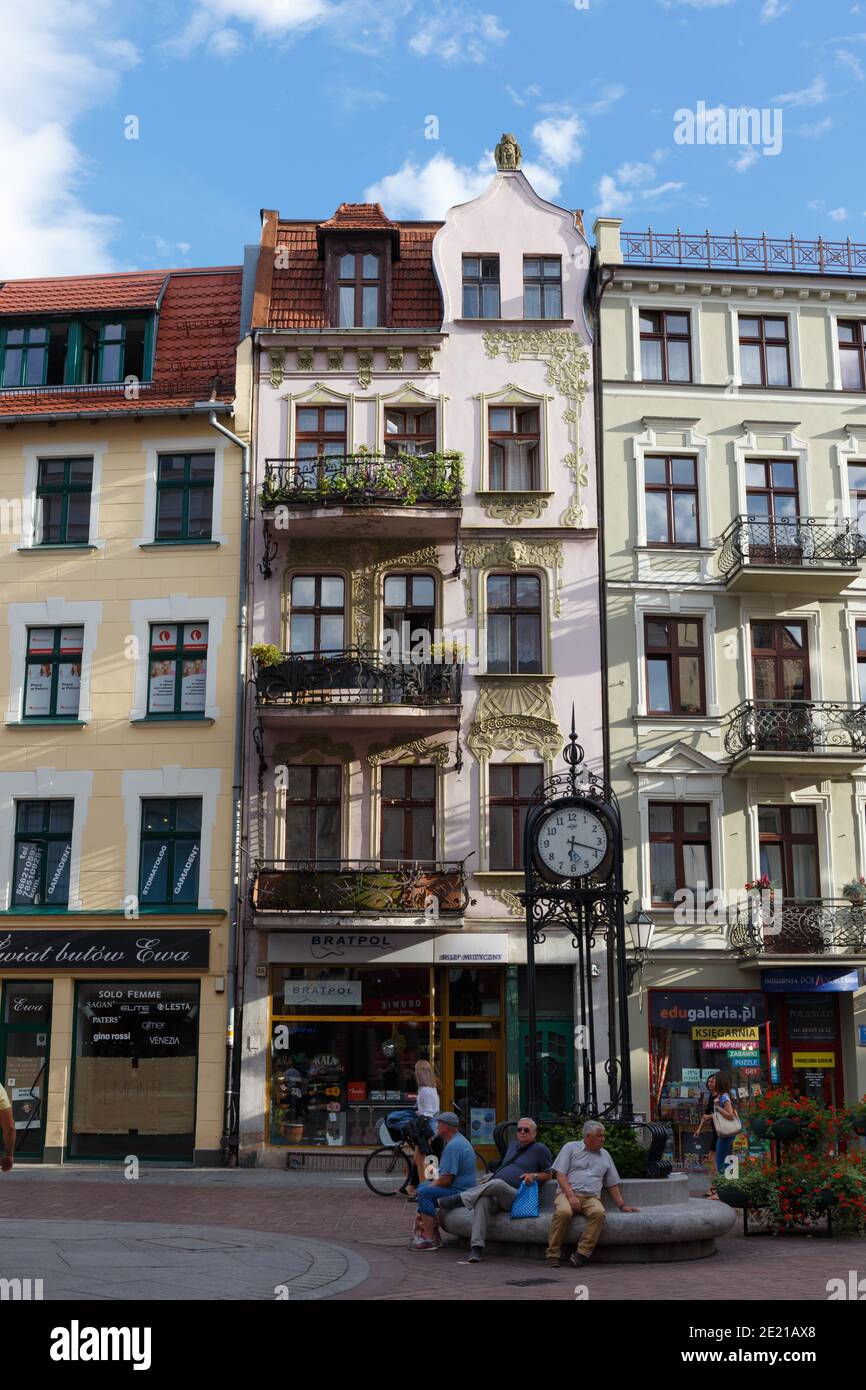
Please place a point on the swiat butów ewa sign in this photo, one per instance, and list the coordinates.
(23, 949)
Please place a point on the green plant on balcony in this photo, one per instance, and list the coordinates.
(855, 891)
(265, 654)
(407, 478)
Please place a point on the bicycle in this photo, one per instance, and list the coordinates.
(388, 1170)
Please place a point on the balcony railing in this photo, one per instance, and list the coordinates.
(384, 888)
(357, 677)
(796, 726)
(812, 927)
(802, 542)
(364, 480)
(761, 253)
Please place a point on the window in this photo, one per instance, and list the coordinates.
(184, 497)
(671, 494)
(481, 287)
(170, 852)
(312, 814)
(43, 850)
(112, 351)
(772, 493)
(511, 789)
(410, 431)
(780, 661)
(409, 813)
(63, 488)
(857, 495)
(409, 613)
(861, 661)
(513, 439)
(852, 354)
(665, 346)
(320, 434)
(359, 290)
(52, 685)
(542, 287)
(680, 849)
(788, 847)
(317, 617)
(513, 623)
(177, 670)
(764, 359)
(34, 355)
(675, 665)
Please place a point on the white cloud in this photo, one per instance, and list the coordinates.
(609, 96)
(631, 186)
(773, 9)
(66, 60)
(844, 59)
(813, 95)
(225, 43)
(816, 130)
(696, 4)
(559, 139)
(745, 160)
(428, 190)
(457, 35)
(272, 18)
(531, 92)
(838, 214)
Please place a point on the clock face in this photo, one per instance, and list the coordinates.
(571, 842)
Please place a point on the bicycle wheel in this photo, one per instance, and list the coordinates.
(387, 1171)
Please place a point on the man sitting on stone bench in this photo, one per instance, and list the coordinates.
(582, 1169)
(525, 1161)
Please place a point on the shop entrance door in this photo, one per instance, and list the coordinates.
(555, 1039)
(811, 1055)
(25, 1035)
(476, 1072)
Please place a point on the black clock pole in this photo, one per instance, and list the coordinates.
(533, 1076)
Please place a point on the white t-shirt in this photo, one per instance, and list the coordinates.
(428, 1101)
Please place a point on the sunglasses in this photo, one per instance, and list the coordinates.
(523, 1129)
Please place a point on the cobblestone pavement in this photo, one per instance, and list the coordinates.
(338, 1210)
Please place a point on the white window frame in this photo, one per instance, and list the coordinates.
(850, 450)
(652, 303)
(701, 786)
(674, 604)
(213, 443)
(749, 447)
(547, 590)
(318, 394)
(407, 397)
(513, 395)
(760, 309)
(51, 612)
(822, 801)
(32, 456)
(44, 784)
(170, 782)
(690, 445)
(759, 610)
(176, 608)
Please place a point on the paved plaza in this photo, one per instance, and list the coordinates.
(90, 1233)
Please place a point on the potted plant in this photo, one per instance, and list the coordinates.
(855, 891)
(265, 654)
(857, 1115)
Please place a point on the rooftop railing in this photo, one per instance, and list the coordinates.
(734, 252)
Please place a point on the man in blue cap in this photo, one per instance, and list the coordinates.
(457, 1173)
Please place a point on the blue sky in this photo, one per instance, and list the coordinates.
(300, 104)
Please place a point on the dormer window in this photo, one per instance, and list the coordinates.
(359, 290)
(83, 352)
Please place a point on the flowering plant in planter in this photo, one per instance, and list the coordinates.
(855, 889)
(817, 1128)
(265, 654)
(764, 884)
(799, 1194)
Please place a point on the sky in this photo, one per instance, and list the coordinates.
(149, 133)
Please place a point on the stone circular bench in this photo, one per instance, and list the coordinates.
(670, 1224)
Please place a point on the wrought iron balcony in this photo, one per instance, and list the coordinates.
(811, 927)
(814, 728)
(383, 888)
(364, 480)
(356, 676)
(755, 548)
(761, 253)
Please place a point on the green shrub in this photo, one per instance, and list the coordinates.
(620, 1140)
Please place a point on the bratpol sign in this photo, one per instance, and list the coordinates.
(100, 950)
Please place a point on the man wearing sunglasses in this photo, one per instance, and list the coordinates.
(526, 1161)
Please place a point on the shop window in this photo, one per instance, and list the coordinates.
(170, 852)
(312, 818)
(184, 497)
(177, 670)
(410, 431)
(351, 991)
(542, 287)
(134, 1078)
(474, 1003)
(674, 666)
(513, 623)
(317, 622)
(43, 851)
(52, 685)
(680, 849)
(511, 790)
(409, 814)
(513, 438)
(63, 489)
(25, 1032)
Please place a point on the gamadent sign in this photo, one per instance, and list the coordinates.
(824, 981)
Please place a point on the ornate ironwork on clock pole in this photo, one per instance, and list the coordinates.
(572, 853)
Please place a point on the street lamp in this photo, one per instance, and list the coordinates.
(642, 930)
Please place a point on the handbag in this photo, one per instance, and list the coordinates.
(726, 1127)
(526, 1201)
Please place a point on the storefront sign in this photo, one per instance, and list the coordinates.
(139, 949)
(697, 1074)
(726, 1036)
(350, 948)
(481, 1125)
(473, 948)
(813, 1059)
(824, 981)
(811, 1020)
(678, 1008)
(340, 993)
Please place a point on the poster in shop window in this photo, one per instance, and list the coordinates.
(161, 700)
(37, 698)
(27, 873)
(69, 688)
(192, 685)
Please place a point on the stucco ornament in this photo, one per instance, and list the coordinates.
(437, 753)
(365, 367)
(515, 508)
(567, 364)
(516, 716)
(488, 554)
(509, 155)
(277, 359)
(508, 899)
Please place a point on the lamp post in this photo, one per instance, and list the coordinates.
(642, 930)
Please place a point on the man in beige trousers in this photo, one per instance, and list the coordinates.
(582, 1169)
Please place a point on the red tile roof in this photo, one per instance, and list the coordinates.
(196, 338)
(358, 216)
(297, 297)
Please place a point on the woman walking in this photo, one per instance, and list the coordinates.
(427, 1107)
(719, 1108)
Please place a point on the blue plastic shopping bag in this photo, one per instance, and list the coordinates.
(526, 1201)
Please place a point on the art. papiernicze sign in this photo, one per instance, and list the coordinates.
(140, 949)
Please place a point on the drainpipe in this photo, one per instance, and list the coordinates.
(598, 283)
(229, 1139)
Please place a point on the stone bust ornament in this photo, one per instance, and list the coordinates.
(508, 154)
